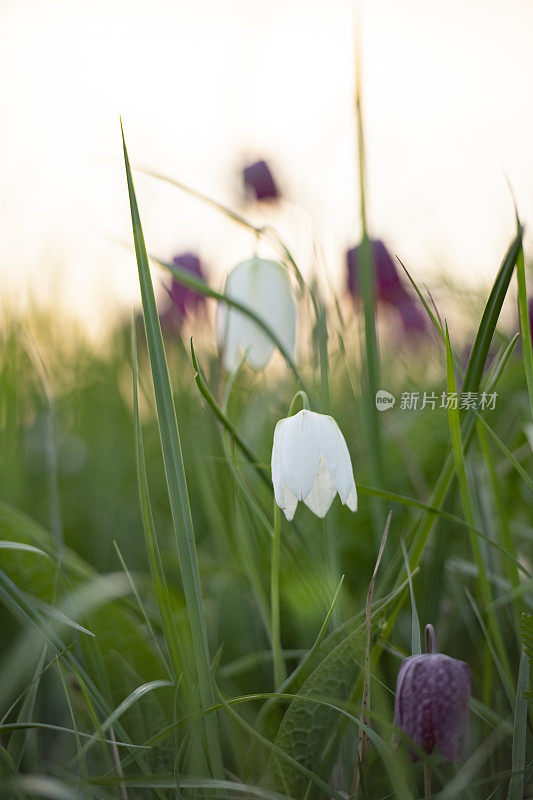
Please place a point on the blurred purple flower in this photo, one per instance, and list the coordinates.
(259, 182)
(530, 309)
(432, 696)
(183, 301)
(389, 288)
(411, 316)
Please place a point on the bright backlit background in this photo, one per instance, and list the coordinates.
(202, 85)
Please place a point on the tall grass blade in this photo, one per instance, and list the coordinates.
(224, 419)
(176, 480)
(464, 492)
(525, 324)
(177, 658)
(368, 291)
(516, 785)
(416, 644)
(487, 326)
(18, 739)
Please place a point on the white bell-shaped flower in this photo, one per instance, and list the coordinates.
(311, 462)
(264, 287)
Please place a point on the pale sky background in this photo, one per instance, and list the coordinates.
(448, 97)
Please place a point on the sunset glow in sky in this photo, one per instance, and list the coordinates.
(201, 85)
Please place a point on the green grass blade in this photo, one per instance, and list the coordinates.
(8, 727)
(177, 658)
(38, 786)
(464, 492)
(278, 661)
(6, 545)
(507, 453)
(525, 324)
(145, 614)
(510, 566)
(18, 739)
(446, 515)
(500, 364)
(487, 638)
(82, 766)
(372, 362)
(320, 342)
(416, 644)
(226, 422)
(435, 322)
(487, 326)
(127, 703)
(176, 480)
(516, 785)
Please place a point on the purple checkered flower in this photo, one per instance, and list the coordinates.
(183, 301)
(389, 288)
(259, 183)
(432, 696)
(530, 309)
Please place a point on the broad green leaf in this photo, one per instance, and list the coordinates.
(306, 727)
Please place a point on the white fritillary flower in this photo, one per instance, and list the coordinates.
(264, 287)
(311, 462)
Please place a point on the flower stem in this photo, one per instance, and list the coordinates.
(431, 640)
(427, 780)
(368, 291)
(277, 655)
(305, 402)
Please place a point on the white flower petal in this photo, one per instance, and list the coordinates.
(278, 473)
(334, 451)
(264, 287)
(321, 495)
(290, 503)
(301, 455)
(351, 500)
(311, 462)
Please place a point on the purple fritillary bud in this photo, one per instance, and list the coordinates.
(431, 707)
(530, 309)
(388, 285)
(259, 182)
(183, 301)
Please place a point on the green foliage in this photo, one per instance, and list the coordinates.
(138, 643)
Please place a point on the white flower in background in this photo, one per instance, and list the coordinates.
(264, 287)
(311, 462)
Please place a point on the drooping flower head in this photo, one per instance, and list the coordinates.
(530, 309)
(413, 320)
(259, 182)
(264, 287)
(388, 283)
(311, 462)
(183, 301)
(431, 707)
(389, 288)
